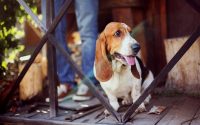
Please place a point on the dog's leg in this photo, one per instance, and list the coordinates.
(127, 100)
(113, 102)
(146, 83)
(147, 100)
(135, 94)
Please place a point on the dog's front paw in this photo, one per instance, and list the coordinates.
(106, 112)
(126, 101)
(147, 100)
(141, 108)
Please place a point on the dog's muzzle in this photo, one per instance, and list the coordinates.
(130, 59)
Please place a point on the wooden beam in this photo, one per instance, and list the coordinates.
(163, 19)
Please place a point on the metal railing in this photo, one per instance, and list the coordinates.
(53, 44)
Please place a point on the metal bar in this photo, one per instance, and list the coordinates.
(51, 63)
(86, 81)
(162, 74)
(55, 22)
(34, 17)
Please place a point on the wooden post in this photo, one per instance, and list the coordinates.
(163, 19)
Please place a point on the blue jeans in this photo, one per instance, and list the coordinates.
(86, 15)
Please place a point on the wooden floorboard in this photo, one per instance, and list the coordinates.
(70, 104)
(151, 119)
(92, 118)
(196, 118)
(181, 112)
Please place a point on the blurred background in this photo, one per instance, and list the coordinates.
(160, 26)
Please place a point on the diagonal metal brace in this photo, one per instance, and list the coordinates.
(35, 18)
(162, 74)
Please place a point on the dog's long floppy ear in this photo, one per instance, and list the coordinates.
(102, 65)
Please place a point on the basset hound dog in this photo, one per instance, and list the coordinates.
(117, 67)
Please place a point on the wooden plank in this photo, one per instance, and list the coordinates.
(27, 90)
(158, 40)
(92, 118)
(80, 105)
(196, 118)
(32, 34)
(121, 3)
(109, 120)
(28, 115)
(42, 113)
(181, 112)
(155, 46)
(148, 119)
(184, 77)
(139, 31)
(163, 19)
(27, 121)
(178, 25)
(151, 119)
(62, 114)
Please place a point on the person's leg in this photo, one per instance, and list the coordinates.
(65, 73)
(87, 20)
(64, 70)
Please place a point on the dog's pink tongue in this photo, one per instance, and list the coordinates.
(130, 60)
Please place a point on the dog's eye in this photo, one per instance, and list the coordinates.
(117, 33)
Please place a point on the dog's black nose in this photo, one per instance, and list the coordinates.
(136, 48)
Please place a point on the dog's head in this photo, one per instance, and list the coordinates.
(115, 42)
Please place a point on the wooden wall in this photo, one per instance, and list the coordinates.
(184, 77)
(152, 20)
(182, 19)
(146, 17)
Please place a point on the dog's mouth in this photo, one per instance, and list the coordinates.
(130, 59)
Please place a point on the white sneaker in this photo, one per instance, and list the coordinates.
(83, 93)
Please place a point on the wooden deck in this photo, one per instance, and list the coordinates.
(181, 110)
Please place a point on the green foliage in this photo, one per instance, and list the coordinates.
(11, 13)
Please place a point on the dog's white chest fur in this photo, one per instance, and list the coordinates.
(121, 83)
